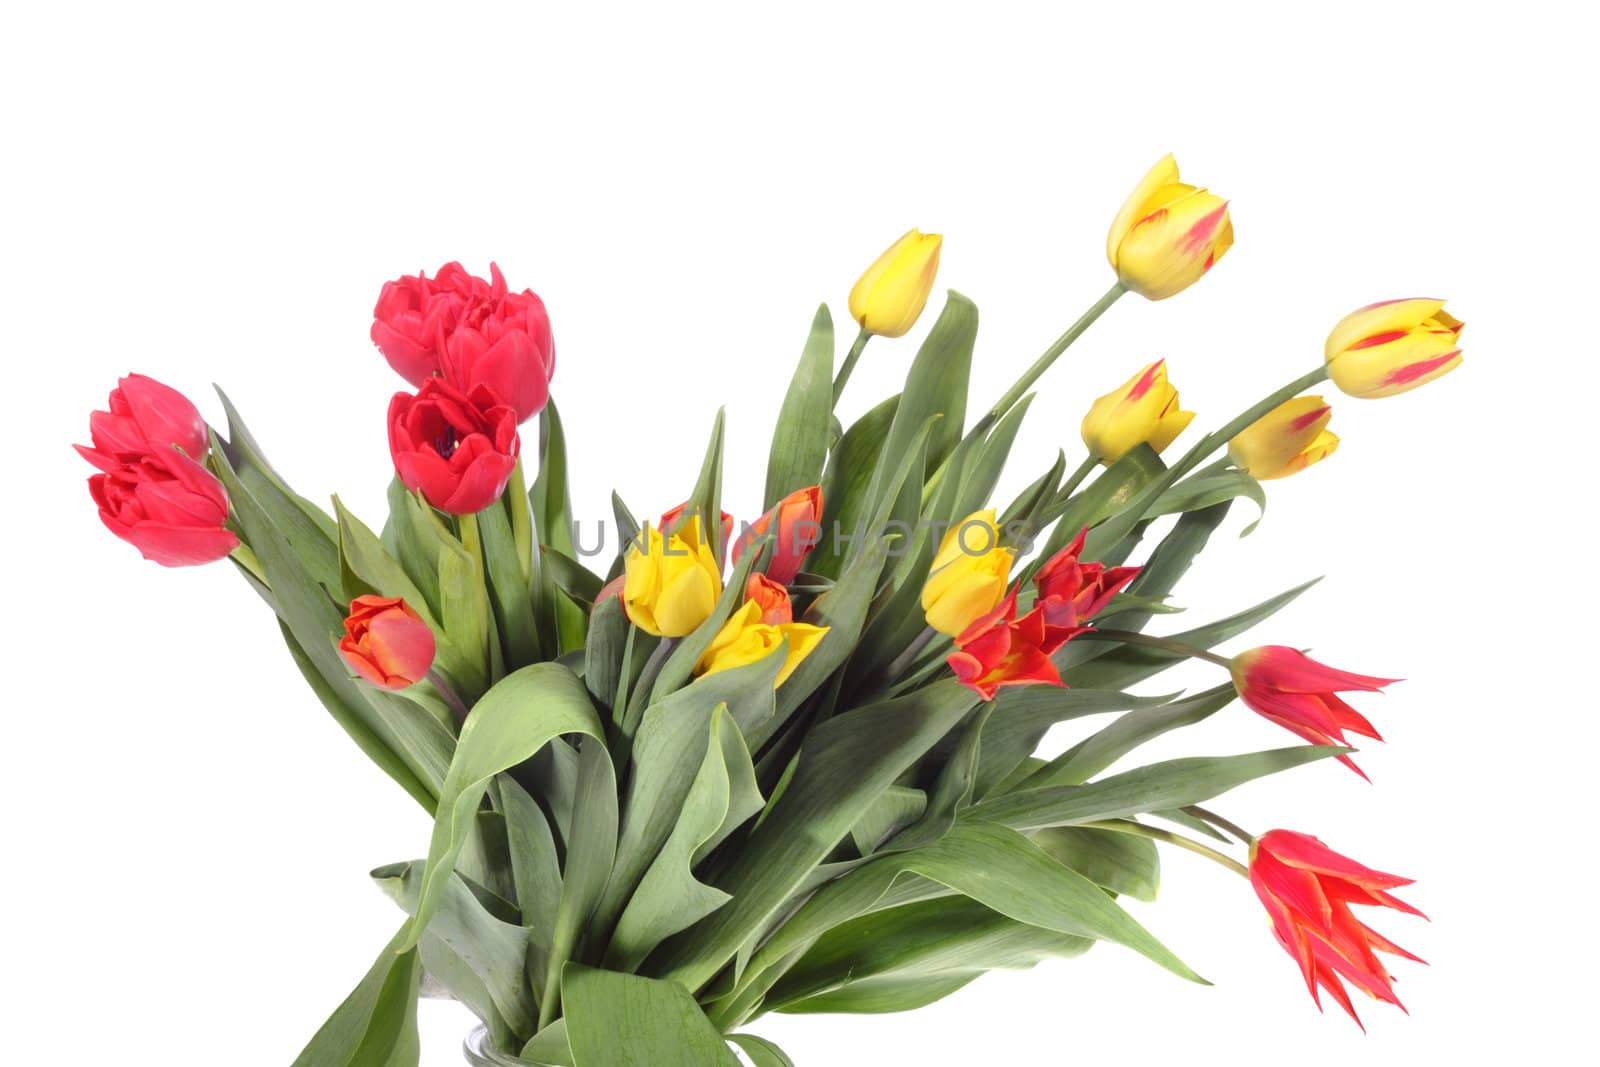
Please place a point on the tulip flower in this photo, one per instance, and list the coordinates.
(798, 518)
(457, 449)
(672, 518)
(771, 598)
(1143, 410)
(890, 296)
(1287, 439)
(469, 331)
(166, 505)
(1000, 649)
(745, 638)
(1307, 889)
(1167, 234)
(1285, 686)
(1072, 592)
(144, 415)
(386, 642)
(672, 580)
(1392, 346)
(969, 574)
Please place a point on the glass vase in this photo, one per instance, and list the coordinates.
(482, 1053)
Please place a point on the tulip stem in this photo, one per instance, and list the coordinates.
(1051, 354)
(1139, 829)
(1076, 479)
(1130, 637)
(451, 697)
(1244, 836)
(850, 363)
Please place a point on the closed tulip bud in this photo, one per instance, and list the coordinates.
(386, 642)
(969, 574)
(1393, 346)
(771, 598)
(797, 517)
(1143, 410)
(889, 297)
(144, 415)
(1287, 439)
(746, 639)
(671, 581)
(1167, 234)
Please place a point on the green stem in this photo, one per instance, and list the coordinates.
(467, 528)
(1130, 637)
(619, 702)
(1084, 470)
(447, 691)
(1051, 354)
(1139, 829)
(850, 363)
(1220, 823)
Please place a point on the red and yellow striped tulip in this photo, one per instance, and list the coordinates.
(1167, 234)
(1143, 410)
(1307, 889)
(1286, 440)
(1392, 347)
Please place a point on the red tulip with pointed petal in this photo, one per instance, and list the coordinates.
(1285, 686)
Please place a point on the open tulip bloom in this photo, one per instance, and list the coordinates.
(782, 757)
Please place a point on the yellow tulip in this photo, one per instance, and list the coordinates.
(745, 639)
(889, 297)
(1143, 410)
(1167, 234)
(1393, 346)
(672, 581)
(969, 574)
(1287, 439)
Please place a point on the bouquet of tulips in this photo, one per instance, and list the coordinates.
(782, 764)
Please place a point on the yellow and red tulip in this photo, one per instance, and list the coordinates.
(969, 574)
(1392, 347)
(1072, 592)
(1286, 440)
(1143, 410)
(1285, 686)
(798, 519)
(671, 581)
(745, 638)
(1167, 234)
(1307, 889)
(889, 297)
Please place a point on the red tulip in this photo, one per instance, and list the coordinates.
(144, 415)
(458, 450)
(1072, 592)
(1285, 686)
(1000, 649)
(1308, 889)
(672, 516)
(797, 516)
(166, 505)
(469, 331)
(773, 599)
(386, 642)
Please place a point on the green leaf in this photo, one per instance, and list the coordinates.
(464, 612)
(591, 856)
(668, 897)
(623, 1020)
(937, 381)
(946, 937)
(581, 585)
(1106, 746)
(882, 996)
(602, 653)
(1126, 665)
(897, 808)
(844, 764)
(464, 941)
(1123, 863)
(535, 862)
(761, 1052)
(1208, 488)
(800, 438)
(706, 500)
(978, 481)
(376, 1026)
(551, 501)
(512, 721)
(413, 538)
(1024, 714)
(1172, 784)
(845, 482)
(1111, 492)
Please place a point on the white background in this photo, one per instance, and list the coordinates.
(215, 193)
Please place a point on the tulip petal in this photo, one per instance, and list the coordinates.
(1384, 317)
(1163, 173)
